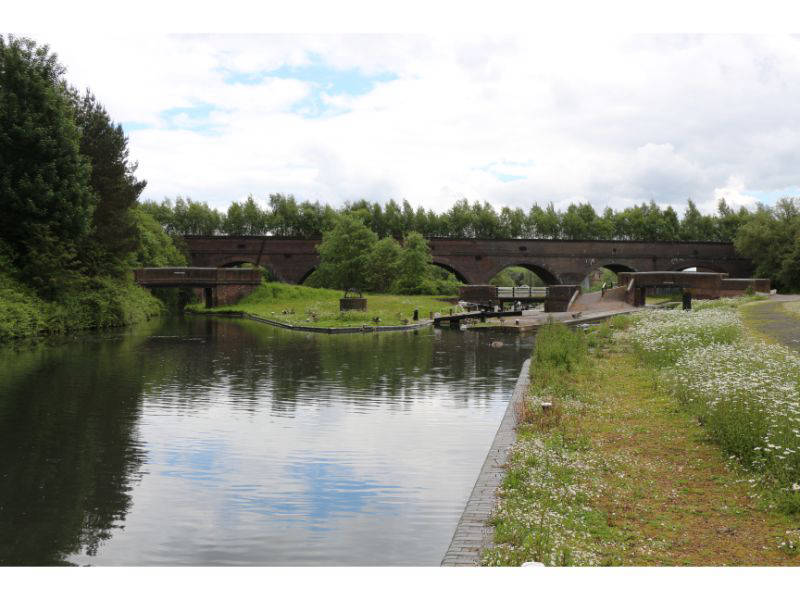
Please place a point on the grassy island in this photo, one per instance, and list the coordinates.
(318, 307)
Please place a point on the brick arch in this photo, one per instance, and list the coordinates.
(612, 265)
(223, 262)
(545, 274)
(617, 267)
(307, 274)
(451, 269)
(699, 265)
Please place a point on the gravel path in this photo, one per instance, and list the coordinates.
(772, 320)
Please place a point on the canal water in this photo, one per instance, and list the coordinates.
(201, 441)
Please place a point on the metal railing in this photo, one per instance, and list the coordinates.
(521, 292)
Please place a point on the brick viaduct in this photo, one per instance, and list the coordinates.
(477, 261)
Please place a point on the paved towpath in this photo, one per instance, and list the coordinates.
(773, 320)
(473, 532)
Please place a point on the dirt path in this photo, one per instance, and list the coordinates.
(773, 320)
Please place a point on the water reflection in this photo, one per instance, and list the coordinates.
(213, 441)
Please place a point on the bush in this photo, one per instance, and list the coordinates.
(94, 304)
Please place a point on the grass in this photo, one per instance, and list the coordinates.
(628, 468)
(96, 303)
(792, 308)
(316, 307)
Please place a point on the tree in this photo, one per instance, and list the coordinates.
(771, 240)
(545, 223)
(47, 199)
(344, 254)
(234, 222)
(254, 218)
(156, 248)
(415, 262)
(729, 221)
(383, 265)
(696, 226)
(114, 232)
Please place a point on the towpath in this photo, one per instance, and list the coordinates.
(775, 319)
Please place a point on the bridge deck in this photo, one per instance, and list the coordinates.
(195, 277)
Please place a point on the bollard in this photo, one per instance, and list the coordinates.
(416, 314)
(451, 311)
(687, 301)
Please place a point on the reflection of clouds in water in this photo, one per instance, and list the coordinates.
(203, 462)
(327, 489)
(254, 445)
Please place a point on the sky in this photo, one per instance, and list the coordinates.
(511, 119)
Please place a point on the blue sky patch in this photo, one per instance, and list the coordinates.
(507, 171)
(324, 80)
(770, 197)
(192, 118)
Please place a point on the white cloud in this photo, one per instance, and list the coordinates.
(734, 194)
(607, 120)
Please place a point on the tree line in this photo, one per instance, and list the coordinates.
(284, 216)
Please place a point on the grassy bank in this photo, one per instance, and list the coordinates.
(792, 308)
(673, 438)
(316, 307)
(97, 303)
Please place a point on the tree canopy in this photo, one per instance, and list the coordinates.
(45, 180)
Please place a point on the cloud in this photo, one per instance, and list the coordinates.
(510, 120)
(735, 195)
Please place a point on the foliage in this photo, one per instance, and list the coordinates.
(98, 302)
(383, 264)
(155, 248)
(71, 229)
(44, 179)
(113, 236)
(285, 217)
(771, 239)
(344, 255)
(414, 266)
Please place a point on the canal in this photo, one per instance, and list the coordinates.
(201, 441)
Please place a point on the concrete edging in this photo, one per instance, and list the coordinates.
(363, 329)
(473, 533)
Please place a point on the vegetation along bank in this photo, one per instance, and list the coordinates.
(671, 438)
(72, 227)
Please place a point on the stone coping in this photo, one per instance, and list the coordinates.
(363, 329)
(473, 533)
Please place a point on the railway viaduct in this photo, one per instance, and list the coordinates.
(476, 261)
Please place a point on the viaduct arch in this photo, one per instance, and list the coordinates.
(477, 261)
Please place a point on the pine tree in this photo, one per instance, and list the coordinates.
(47, 200)
(114, 234)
